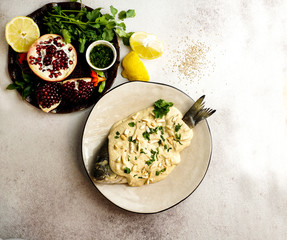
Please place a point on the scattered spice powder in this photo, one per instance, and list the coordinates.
(192, 62)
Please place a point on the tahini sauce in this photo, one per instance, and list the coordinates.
(144, 149)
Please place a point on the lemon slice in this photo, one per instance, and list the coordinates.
(21, 32)
(133, 68)
(146, 45)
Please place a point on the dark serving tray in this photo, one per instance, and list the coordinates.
(82, 69)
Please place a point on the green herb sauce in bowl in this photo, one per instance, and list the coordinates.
(101, 55)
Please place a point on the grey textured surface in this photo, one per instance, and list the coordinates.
(45, 192)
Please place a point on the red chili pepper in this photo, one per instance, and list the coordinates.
(96, 78)
(22, 57)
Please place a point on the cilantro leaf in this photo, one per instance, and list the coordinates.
(131, 13)
(108, 34)
(93, 15)
(161, 108)
(123, 26)
(125, 36)
(126, 14)
(86, 26)
(113, 10)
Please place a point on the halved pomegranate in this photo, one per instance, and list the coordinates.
(48, 95)
(51, 58)
(78, 89)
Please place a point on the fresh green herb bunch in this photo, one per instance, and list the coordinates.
(26, 85)
(87, 26)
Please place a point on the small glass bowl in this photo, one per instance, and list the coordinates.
(100, 42)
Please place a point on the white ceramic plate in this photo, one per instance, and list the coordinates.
(185, 178)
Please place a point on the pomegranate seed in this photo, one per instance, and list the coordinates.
(48, 94)
(84, 91)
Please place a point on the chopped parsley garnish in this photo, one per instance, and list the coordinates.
(166, 148)
(101, 56)
(146, 135)
(160, 171)
(154, 130)
(162, 137)
(130, 138)
(149, 162)
(177, 127)
(131, 124)
(161, 108)
(142, 151)
(161, 129)
(153, 156)
(177, 138)
(152, 152)
(117, 135)
(127, 170)
(136, 158)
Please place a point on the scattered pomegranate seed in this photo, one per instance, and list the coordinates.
(48, 94)
(83, 91)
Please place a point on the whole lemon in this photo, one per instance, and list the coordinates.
(133, 68)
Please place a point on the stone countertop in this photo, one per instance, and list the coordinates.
(234, 52)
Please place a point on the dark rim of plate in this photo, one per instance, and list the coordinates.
(209, 160)
(82, 68)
